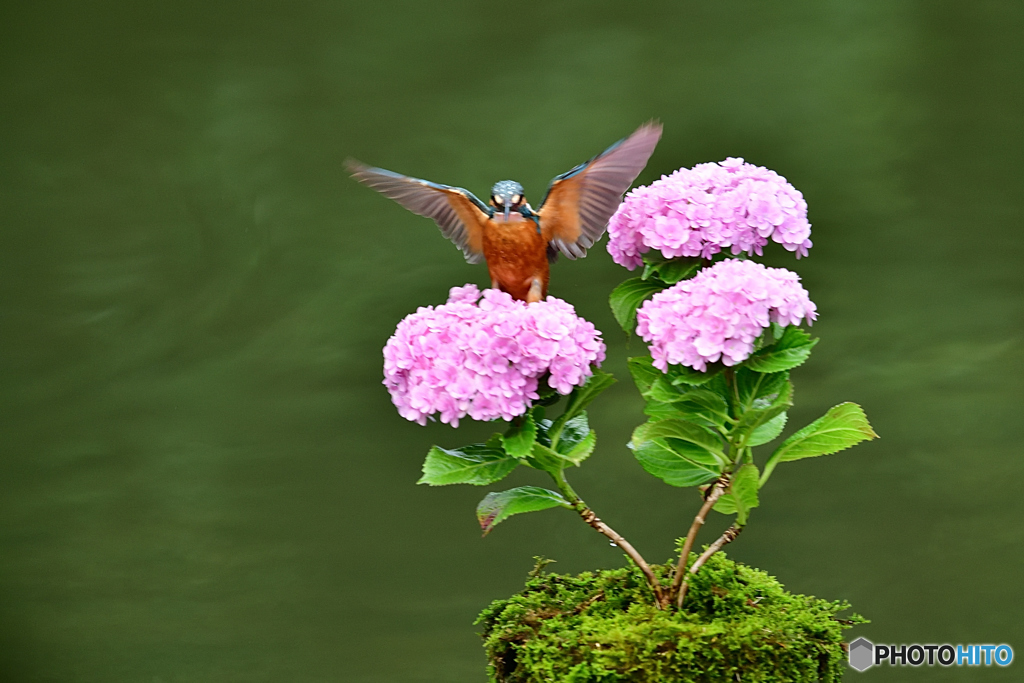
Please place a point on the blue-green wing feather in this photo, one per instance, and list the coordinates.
(580, 201)
(458, 212)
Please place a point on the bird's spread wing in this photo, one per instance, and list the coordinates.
(576, 209)
(458, 212)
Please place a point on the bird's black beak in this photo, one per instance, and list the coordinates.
(508, 210)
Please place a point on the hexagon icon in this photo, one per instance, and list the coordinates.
(862, 653)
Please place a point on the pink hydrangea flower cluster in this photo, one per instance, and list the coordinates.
(719, 313)
(700, 211)
(484, 360)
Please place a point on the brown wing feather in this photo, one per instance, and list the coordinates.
(575, 212)
(459, 214)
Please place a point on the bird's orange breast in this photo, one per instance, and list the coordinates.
(516, 254)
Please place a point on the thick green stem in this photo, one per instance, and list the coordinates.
(730, 382)
(594, 521)
(768, 467)
(735, 452)
(567, 490)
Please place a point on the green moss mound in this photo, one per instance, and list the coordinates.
(738, 624)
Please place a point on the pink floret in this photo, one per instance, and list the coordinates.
(719, 313)
(713, 206)
(483, 357)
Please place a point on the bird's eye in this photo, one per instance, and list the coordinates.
(516, 199)
(496, 199)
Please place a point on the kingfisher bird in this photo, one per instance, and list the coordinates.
(517, 242)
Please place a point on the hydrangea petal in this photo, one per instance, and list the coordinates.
(719, 313)
(482, 357)
(707, 209)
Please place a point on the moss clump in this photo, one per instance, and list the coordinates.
(738, 623)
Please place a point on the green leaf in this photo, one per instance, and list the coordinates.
(692, 403)
(768, 431)
(478, 464)
(652, 259)
(497, 507)
(574, 431)
(725, 505)
(583, 449)
(661, 411)
(546, 459)
(663, 391)
(628, 296)
(580, 398)
(687, 440)
(792, 349)
(743, 490)
(672, 271)
(764, 410)
(673, 467)
(741, 496)
(681, 374)
(680, 429)
(518, 440)
(842, 426)
(576, 444)
(719, 385)
(752, 385)
(543, 426)
(546, 394)
(644, 373)
(578, 440)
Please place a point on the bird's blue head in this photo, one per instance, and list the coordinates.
(507, 195)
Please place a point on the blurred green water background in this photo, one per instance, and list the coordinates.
(202, 478)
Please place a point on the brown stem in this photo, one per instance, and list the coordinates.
(713, 495)
(730, 534)
(593, 520)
